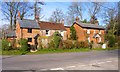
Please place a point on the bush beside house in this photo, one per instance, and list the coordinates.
(5, 44)
(24, 45)
(73, 35)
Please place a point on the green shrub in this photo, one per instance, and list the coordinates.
(81, 44)
(13, 43)
(112, 41)
(6, 45)
(118, 41)
(73, 33)
(61, 45)
(56, 39)
(77, 44)
(24, 45)
(101, 43)
(51, 44)
(67, 44)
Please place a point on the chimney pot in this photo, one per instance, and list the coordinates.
(77, 19)
(96, 22)
(37, 18)
(18, 15)
(62, 21)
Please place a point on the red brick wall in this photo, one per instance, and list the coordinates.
(82, 33)
(23, 33)
(27, 35)
(68, 32)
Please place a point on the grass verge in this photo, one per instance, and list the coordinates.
(46, 51)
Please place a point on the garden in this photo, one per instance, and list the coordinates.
(56, 45)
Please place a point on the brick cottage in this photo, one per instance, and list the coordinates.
(87, 31)
(31, 29)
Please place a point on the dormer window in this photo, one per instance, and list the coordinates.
(88, 31)
(29, 30)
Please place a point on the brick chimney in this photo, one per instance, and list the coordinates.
(37, 18)
(77, 19)
(18, 16)
(62, 21)
(96, 22)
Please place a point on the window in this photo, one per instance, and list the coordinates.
(29, 30)
(94, 32)
(29, 39)
(89, 39)
(47, 32)
(88, 31)
(100, 39)
(99, 32)
(62, 33)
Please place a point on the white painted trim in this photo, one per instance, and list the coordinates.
(88, 39)
(88, 31)
(99, 39)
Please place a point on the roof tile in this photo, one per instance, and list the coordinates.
(51, 26)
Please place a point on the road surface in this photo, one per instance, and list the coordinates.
(93, 60)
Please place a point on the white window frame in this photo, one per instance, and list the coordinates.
(62, 33)
(94, 31)
(88, 31)
(99, 39)
(47, 34)
(88, 39)
(99, 31)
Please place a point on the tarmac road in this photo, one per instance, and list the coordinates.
(93, 60)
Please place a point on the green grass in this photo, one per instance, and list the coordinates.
(46, 51)
(12, 52)
(113, 48)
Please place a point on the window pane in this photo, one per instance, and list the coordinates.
(47, 32)
(29, 39)
(29, 30)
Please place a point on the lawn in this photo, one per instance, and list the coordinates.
(46, 51)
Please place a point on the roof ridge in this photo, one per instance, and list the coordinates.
(89, 25)
(50, 22)
(28, 19)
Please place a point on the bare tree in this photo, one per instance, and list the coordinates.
(94, 9)
(56, 16)
(7, 10)
(74, 10)
(37, 9)
(77, 9)
(111, 19)
(10, 10)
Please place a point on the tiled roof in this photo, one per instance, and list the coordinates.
(51, 26)
(67, 26)
(26, 23)
(92, 26)
(11, 34)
